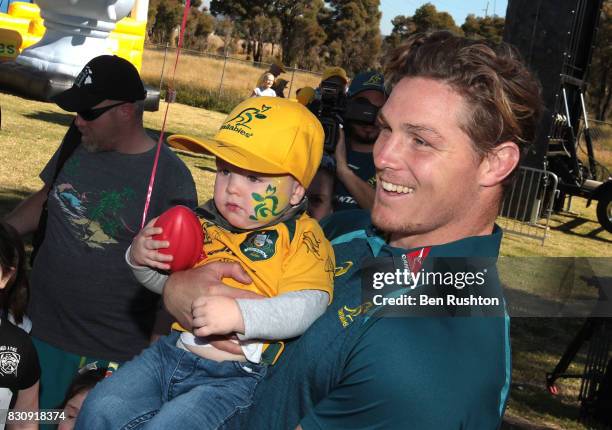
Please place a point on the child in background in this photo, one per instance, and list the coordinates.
(78, 390)
(268, 150)
(264, 86)
(19, 367)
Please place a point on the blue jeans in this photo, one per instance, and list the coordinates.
(167, 387)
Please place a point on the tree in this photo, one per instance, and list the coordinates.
(353, 34)
(489, 28)
(305, 50)
(289, 13)
(224, 28)
(600, 78)
(425, 18)
(163, 17)
(200, 24)
(403, 26)
(428, 18)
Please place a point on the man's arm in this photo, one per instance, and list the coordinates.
(182, 288)
(362, 192)
(24, 218)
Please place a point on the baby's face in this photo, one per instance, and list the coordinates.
(249, 200)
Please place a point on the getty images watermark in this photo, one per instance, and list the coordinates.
(552, 287)
(408, 279)
(410, 285)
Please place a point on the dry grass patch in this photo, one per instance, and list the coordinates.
(32, 130)
(205, 72)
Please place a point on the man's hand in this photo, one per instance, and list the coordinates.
(216, 315)
(183, 288)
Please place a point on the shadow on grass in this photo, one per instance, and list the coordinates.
(568, 228)
(54, 117)
(10, 198)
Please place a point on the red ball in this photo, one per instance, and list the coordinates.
(182, 229)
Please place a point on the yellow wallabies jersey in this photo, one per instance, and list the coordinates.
(289, 256)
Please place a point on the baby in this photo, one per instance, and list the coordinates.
(268, 150)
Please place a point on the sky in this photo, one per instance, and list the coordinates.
(458, 9)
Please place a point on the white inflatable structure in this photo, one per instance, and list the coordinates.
(77, 31)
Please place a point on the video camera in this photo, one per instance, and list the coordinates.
(335, 109)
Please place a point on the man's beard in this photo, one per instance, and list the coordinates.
(362, 136)
(91, 145)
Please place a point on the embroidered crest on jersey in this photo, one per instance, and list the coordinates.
(259, 245)
(347, 315)
(9, 362)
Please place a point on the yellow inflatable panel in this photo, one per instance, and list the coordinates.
(22, 27)
(24, 10)
(9, 22)
(10, 41)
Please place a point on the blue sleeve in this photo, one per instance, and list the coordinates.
(420, 373)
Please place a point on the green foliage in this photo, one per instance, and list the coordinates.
(353, 34)
(427, 18)
(489, 28)
(164, 16)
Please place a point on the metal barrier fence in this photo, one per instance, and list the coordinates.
(528, 205)
(217, 72)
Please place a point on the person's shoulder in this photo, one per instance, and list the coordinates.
(14, 335)
(305, 226)
(344, 222)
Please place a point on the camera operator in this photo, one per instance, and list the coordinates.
(355, 173)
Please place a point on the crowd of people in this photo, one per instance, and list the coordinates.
(273, 327)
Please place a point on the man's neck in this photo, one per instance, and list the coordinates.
(438, 237)
(134, 141)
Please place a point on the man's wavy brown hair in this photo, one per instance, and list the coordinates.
(501, 95)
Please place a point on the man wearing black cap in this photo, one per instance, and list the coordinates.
(85, 304)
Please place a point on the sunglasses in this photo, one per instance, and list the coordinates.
(91, 114)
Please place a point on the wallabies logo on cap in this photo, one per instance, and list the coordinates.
(240, 121)
(84, 78)
(374, 80)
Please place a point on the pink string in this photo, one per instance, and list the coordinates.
(161, 134)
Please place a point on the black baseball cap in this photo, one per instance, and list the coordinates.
(107, 77)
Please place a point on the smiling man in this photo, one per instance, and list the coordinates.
(457, 120)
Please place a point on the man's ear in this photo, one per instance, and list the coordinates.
(298, 193)
(499, 163)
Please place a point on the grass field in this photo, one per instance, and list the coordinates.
(205, 72)
(32, 130)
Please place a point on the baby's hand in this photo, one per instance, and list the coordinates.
(216, 315)
(144, 249)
